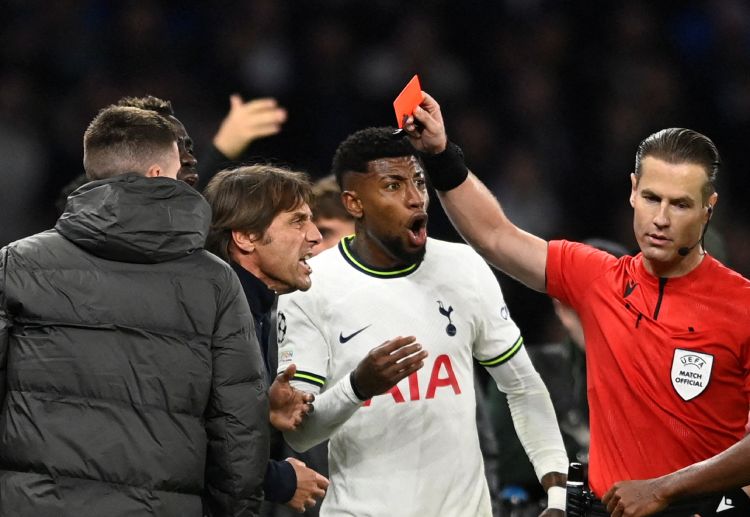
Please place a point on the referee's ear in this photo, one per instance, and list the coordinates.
(352, 203)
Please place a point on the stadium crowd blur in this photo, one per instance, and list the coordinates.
(548, 98)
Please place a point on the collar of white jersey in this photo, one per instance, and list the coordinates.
(397, 272)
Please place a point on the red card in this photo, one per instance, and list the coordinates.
(407, 101)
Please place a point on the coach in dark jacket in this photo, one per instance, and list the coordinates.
(130, 377)
(263, 226)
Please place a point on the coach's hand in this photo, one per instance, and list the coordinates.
(311, 486)
(385, 365)
(431, 137)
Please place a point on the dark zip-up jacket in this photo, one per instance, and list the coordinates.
(130, 377)
(280, 482)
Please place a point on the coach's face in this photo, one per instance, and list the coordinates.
(279, 257)
(389, 202)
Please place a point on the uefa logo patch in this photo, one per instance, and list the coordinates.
(280, 327)
(691, 372)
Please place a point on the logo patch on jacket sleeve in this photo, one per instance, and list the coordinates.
(691, 372)
(286, 356)
(280, 327)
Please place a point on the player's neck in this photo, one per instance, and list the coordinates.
(374, 253)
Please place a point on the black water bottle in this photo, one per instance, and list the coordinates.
(576, 500)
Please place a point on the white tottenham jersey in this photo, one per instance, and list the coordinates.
(413, 451)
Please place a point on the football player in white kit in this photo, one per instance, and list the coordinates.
(414, 450)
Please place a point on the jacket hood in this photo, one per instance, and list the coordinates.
(131, 218)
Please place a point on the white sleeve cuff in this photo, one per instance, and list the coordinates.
(557, 497)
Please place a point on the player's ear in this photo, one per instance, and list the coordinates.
(352, 203)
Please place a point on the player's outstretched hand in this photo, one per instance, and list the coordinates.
(634, 498)
(246, 122)
(430, 137)
(385, 365)
(311, 486)
(552, 512)
(288, 405)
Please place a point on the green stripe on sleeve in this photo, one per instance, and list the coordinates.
(505, 356)
(310, 378)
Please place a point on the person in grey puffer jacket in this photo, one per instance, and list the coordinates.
(131, 382)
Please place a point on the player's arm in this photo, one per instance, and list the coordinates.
(304, 344)
(381, 369)
(472, 208)
(533, 418)
(727, 470)
(498, 346)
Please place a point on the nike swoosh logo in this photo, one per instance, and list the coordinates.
(629, 289)
(343, 339)
(725, 504)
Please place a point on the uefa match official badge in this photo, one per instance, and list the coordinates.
(691, 372)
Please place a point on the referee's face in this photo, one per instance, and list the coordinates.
(392, 211)
(670, 215)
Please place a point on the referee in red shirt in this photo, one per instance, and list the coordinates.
(667, 333)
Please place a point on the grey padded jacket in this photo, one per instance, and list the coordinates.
(131, 380)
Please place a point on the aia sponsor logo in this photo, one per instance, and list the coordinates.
(442, 377)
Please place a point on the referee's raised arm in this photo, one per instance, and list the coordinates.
(471, 207)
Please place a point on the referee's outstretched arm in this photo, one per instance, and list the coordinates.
(472, 208)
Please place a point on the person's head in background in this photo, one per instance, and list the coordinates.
(188, 172)
(122, 140)
(261, 221)
(566, 314)
(329, 215)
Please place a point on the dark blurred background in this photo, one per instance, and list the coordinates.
(549, 99)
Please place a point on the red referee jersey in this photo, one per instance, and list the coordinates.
(667, 359)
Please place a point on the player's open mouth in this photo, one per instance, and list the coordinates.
(417, 230)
